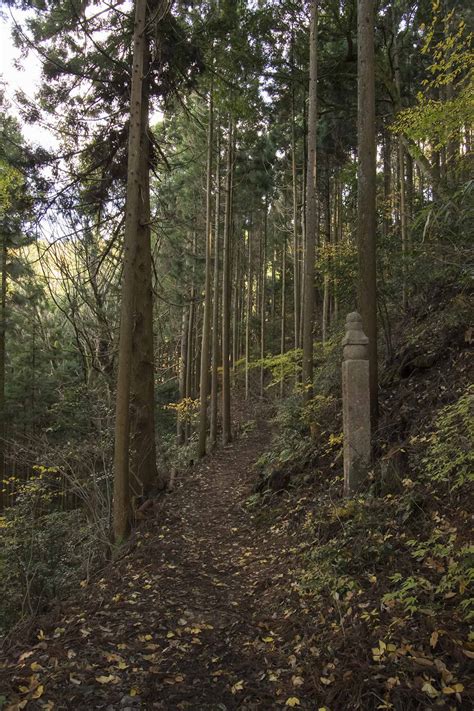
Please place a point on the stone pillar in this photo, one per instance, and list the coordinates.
(356, 405)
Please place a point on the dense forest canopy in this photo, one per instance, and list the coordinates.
(225, 181)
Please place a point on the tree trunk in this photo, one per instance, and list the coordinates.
(311, 210)
(327, 277)
(226, 422)
(263, 298)
(215, 305)
(121, 502)
(143, 468)
(403, 219)
(248, 311)
(296, 241)
(3, 324)
(283, 313)
(206, 326)
(180, 425)
(387, 181)
(366, 225)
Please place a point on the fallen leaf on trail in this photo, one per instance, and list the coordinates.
(297, 680)
(326, 680)
(16, 707)
(36, 667)
(454, 689)
(430, 690)
(110, 679)
(169, 635)
(25, 655)
(38, 692)
(292, 702)
(267, 639)
(134, 692)
(434, 639)
(238, 686)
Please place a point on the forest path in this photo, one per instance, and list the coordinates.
(192, 618)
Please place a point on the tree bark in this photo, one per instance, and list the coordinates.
(311, 210)
(248, 311)
(206, 327)
(3, 331)
(215, 305)
(327, 279)
(143, 467)
(180, 425)
(366, 224)
(121, 502)
(226, 421)
(283, 313)
(263, 297)
(296, 241)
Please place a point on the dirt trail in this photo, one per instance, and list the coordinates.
(186, 621)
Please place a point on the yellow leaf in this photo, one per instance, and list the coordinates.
(110, 679)
(17, 706)
(169, 635)
(292, 702)
(430, 690)
(238, 686)
(24, 656)
(434, 639)
(133, 692)
(38, 692)
(326, 680)
(36, 667)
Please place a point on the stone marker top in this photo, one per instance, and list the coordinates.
(355, 341)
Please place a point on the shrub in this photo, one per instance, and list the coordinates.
(450, 456)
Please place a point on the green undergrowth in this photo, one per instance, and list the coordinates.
(308, 436)
(46, 549)
(389, 576)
